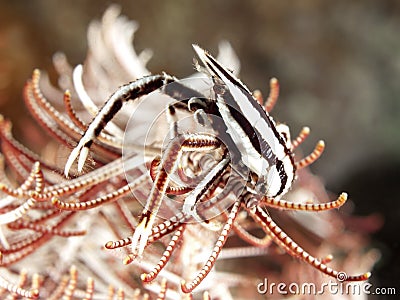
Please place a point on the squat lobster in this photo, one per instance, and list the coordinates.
(254, 153)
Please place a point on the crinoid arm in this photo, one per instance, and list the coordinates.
(292, 248)
(170, 161)
(188, 287)
(279, 203)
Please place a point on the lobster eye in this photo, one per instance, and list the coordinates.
(261, 187)
(284, 132)
(284, 135)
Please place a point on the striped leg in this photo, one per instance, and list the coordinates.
(193, 104)
(130, 91)
(203, 186)
(171, 190)
(170, 161)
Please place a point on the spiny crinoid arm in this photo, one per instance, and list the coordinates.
(277, 203)
(171, 190)
(35, 176)
(250, 238)
(18, 225)
(272, 97)
(165, 257)
(188, 287)
(304, 133)
(57, 124)
(20, 250)
(76, 205)
(281, 238)
(170, 161)
(132, 90)
(158, 231)
(17, 290)
(312, 157)
(11, 149)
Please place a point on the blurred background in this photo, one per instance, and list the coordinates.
(338, 64)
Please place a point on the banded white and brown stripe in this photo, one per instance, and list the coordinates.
(262, 149)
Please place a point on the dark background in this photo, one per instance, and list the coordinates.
(338, 64)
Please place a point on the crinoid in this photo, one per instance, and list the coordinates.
(200, 160)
